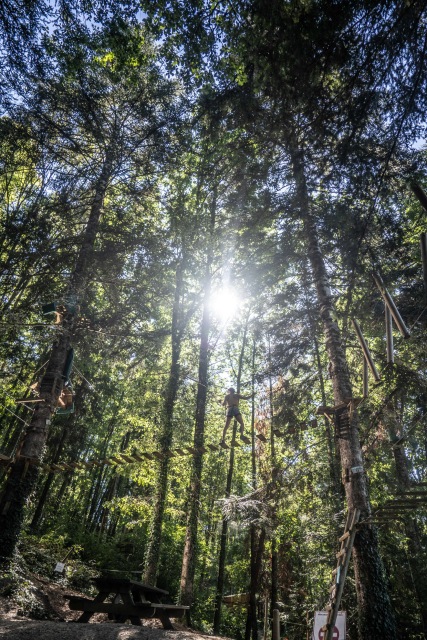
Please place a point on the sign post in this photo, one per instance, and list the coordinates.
(339, 632)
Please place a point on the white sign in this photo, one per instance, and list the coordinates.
(59, 567)
(320, 621)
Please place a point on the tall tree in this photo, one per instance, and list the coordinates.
(100, 134)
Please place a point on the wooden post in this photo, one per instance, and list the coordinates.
(276, 624)
(365, 378)
(365, 349)
(389, 335)
(265, 617)
(389, 302)
(423, 242)
(329, 633)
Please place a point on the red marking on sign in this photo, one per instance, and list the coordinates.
(335, 636)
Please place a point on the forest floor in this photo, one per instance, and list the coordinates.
(61, 626)
(32, 604)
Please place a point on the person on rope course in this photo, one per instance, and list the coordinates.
(231, 402)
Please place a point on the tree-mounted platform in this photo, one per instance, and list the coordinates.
(330, 410)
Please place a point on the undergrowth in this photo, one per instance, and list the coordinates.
(37, 557)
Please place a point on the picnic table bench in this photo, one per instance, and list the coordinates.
(133, 600)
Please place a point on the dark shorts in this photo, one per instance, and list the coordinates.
(232, 411)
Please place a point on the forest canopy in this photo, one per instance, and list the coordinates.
(200, 196)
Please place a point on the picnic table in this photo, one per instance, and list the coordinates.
(131, 599)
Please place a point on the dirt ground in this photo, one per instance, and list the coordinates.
(62, 625)
(43, 630)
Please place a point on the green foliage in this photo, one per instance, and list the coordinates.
(199, 110)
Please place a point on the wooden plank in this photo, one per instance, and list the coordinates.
(212, 447)
(148, 456)
(351, 526)
(277, 433)
(355, 401)
(86, 464)
(261, 437)
(365, 349)
(55, 466)
(140, 609)
(75, 465)
(137, 457)
(190, 450)
(100, 597)
(158, 455)
(245, 439)
(400, 501)
(408, 505)
(411, 493)
(341, 553)
(223, 445)
(234, 443)
(423, 244)
(107, 462)
(390, 303)
(389, 335)
(95, 462)
(365, 378)
(67, 466)
(116, 460)
(344, 537)
(48, 469)
(28, 400)
(314, 424)
(202, 449)
(127, 458)
(324, 410)
(169, 454)
(180, 452)
(128, 584)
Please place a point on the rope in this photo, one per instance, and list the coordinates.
(14, 414)
(12, 398)
(85, 379)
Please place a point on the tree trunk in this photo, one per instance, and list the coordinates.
(99, 477)
(190, 545)
(223, 545)
(66, 481)
(376, 618)
(155, 535)
(21, 481)
(333, 468)
(47, 485)
(416, 556)
(273, 594)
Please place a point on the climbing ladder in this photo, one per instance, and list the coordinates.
(340, 573)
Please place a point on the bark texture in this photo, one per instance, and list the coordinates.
(190, 546)
(376, 617)
(155, 536)
(20, 484)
